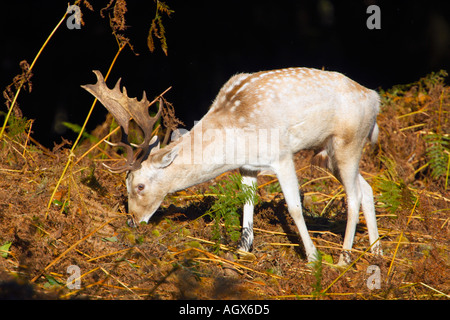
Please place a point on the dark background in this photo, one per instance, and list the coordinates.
(208, 42)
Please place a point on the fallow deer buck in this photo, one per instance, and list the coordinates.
(257, 122)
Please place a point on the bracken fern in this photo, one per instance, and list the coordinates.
(438, 154)
(394, 194)
(231, 196)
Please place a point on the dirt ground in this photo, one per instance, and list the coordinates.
(82, 233)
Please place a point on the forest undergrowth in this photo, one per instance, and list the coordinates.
(64, 231)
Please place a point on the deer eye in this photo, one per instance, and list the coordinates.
(140, 187)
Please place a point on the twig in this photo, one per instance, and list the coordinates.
(72, 155)
(97, 144)
(401, 236)
(29, 70)
(235, 264)
(44, 149)
(70, 249)
(109, 254)
(79, 278)
(63, 242)
(28, 137)
(331, 200)
(351, 265)
(431, 288)
(120, 282)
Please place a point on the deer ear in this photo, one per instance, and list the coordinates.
(166, 158)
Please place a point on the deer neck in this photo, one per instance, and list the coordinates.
(197, 160)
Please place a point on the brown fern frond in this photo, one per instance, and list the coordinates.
(157, 28)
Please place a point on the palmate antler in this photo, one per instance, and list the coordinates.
(123, 108)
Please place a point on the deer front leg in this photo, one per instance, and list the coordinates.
(287, 177)
(245, 244)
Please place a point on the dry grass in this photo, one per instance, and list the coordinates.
(172, 257)
(61, 207)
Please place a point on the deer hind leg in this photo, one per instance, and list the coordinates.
(246, 241)
(369, 214)
(353, 190)
(287, 177)
(359, 193)
(344, 163)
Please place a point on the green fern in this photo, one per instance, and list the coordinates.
(16, 125)
(438, 154)
(317, 267)
(394, 194)
(231, 196)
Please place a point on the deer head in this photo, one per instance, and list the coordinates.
(123, 110)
